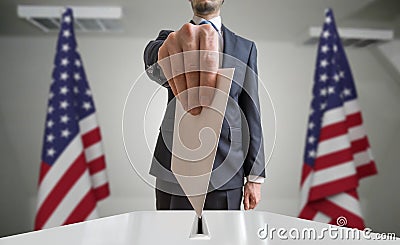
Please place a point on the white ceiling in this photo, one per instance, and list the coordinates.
(281, 20)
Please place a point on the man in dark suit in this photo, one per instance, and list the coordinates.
(240, 153)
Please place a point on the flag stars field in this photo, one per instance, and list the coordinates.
(77, 63)
(65, 48)
(50, 124)
(347, 92)
(65, 133)
(325, 49)
(67, 19)
(51, 152)
(50, 138)
(323, 92)
(50, 110)
(64, 62)
(336, 78)
(311, 154)
(87, 106)
(77, 76)
(64, 104)
(64, 76)
(64, 90)
(328, 20)
(324, 63)
(323, 77)
(66, 33)
(64, 119)
(311, 139)
(326, 34)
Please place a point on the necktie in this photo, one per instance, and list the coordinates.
(205, 22)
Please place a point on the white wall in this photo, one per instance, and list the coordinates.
(390, 51)
(112, 65)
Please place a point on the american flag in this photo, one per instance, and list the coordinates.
(73, 172)
(337, 152)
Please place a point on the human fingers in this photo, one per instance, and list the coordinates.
(190, 46)
(177, 68)
(165, 63)
(209, 62)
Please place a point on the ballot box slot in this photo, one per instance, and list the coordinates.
(199, 226)
(199, 229)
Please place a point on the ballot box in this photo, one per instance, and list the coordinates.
(182, 227)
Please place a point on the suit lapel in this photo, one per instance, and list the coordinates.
(229, 45)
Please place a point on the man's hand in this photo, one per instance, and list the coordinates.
(252, 195)
(182, 71)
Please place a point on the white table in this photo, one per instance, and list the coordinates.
(175, 227)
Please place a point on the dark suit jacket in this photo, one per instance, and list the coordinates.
(240, 149)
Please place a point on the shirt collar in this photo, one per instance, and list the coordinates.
(217, 21)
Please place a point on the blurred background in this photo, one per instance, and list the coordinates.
(114, 60)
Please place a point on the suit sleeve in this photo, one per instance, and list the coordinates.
(254, 164)
(150, 57)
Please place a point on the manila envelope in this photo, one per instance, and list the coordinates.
(195, 142)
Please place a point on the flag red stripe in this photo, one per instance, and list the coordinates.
(333, 159)
(306, 171)
(91, 137)
(333, 187)
(83, 209)
(367, 170)
(97, 165)
(360, 145)
(354, 120)
(334, 211)
(53, 199)
(44, 168)
(340, 128)
(333, 130)
(308, 213)
(353, 193)
(102, 192)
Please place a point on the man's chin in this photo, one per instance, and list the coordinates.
(205, 8)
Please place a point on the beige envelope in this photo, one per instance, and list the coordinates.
(195, 142)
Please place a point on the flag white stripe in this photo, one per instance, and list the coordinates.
(93, 215)
(356, 133)
(55, 173)
(304, 191)
(69, 202)
(321, 217)
(363, 157)
(99, 178)
(88, 123)
(339, 114)
(333, 173)
(352, 107)
(333, 145)
(333, 116)
(347, 202)
(94, 151)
